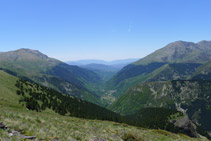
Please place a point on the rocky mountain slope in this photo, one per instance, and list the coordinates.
(190, 97)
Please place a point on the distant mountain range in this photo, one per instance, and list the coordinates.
(94, 61)
(105, 69)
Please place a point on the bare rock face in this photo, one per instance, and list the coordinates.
(186, 125)
(17, 133)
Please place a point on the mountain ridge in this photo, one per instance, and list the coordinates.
(177, 52)
(95, 61)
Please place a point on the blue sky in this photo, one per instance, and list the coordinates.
(101, 29)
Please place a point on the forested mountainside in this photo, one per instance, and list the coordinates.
(38, 98)
(33, 65)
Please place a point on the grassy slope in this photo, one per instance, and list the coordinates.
(7, 90)
(49, 125)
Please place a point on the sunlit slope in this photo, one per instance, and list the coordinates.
(8, 90)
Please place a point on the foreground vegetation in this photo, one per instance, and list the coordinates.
(48, 125)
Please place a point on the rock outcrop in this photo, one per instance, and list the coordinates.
(15, 133)
(185, 124)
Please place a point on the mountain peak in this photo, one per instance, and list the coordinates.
(180, 52)
(203, 42)
(204, 45)
(177, 44)
(30, 51)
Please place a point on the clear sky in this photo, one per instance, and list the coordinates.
(101, 29)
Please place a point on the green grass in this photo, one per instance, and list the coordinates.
(7, 90)
(48, 126)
